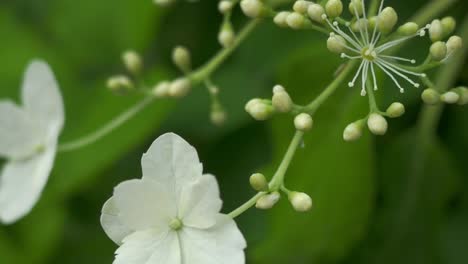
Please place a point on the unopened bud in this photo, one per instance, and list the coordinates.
(132, 61)
(218, 117)
(259, 109)
(258, 182)
(463, 93)
(161, 89)
(303, 122)
(336, 43)
(300, 201)
(180, 87)
(408, 29)
(454, 43)
(334, 8)
(226, 36)
(360, 24)
(225, 6)
(301, 6)
(438, 51)
(281, 100)
(436, 31)
(450, 97)
(316, 12)
(395, 110)
(387, 20)
(280, 19)
(119, 83)
(353, 131)
(295, 20)
(377, 124)
(448, 25)
(356, 7)
(268, 201)
(181, 58)
(252, 8)
(430, 96)
(164, 2)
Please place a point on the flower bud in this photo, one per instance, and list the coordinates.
(225, 6)
(252, 8)
(315, 12)
(259, 109)
(180, 87)
(450, 97)
(438, 51)
(395, 110)
(132, 61)
(454, 43)
(161, 89)
(408, 29)
(181, 58)
(268, 201)
(387, 20)
(336, 43)
(226, 36)
(334, 8)
(430, 96)
(164, 2)
(377, 124)
(119, 83)
(218, 117)
(353, 131)
(300, 201)
(360, 24)
(281, 100)
(280, 19)
(301, 6)
(463, 93)
(355, 6)
(258, 182)
(448, 25)
(295, 20)
(436, 31)
(303, 122)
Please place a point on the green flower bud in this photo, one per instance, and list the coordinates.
(448, 25)
(259, 109)
(132, 61)
(436, 31)
(450, 97)
(280, 19)
(120, 83)
(253, 8)
(295, 20)
(360, 24)
(161, 89)
(454, 43)
(258, 182)
(316, 12)
(387, 20)
(218, 117)
(303, 122)
(408, 29)
(268, 201)
(164, 2)
(336, 43)
(463, 93)
(225, 6)
(430, 96)
(395, 110)
(355, 6)
(353, 131)
(300, 201)
(182, 59)
(438, 51)
(281, 100)
(301, 6)
(180, 87)
(334, 8)
(377, 124)
(226, 36)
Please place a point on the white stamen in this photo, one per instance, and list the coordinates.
(402, 69)
(391, 76)
(398, 58)
(364, 77)
(351, 84)
(344, 35)
(388, 66)
(344, 55)
(374, 78)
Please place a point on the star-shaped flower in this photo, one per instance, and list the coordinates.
(28, 141)
(171, 215)
(369, 47)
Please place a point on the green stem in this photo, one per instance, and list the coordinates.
(246, 206)
(374, 108)
(108, 128)
(431, 10)
(314, 105)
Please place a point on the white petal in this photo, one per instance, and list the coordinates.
(200, 203)
(149, 247)
(144, 204)
(41, 96)
(21, 184)
(112, 224)
(220, 244)
(171, 161)
(20, 136)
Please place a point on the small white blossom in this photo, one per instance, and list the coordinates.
(171, 215)
(28, 140)
(367, 48)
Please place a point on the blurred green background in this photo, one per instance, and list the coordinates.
(364, 210)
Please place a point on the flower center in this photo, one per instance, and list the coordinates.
(176, 224)
(368, 53)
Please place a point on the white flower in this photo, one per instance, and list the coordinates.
(171, 215)
(28, 140)
(369, 48)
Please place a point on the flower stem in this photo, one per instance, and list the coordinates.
(108, 128)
